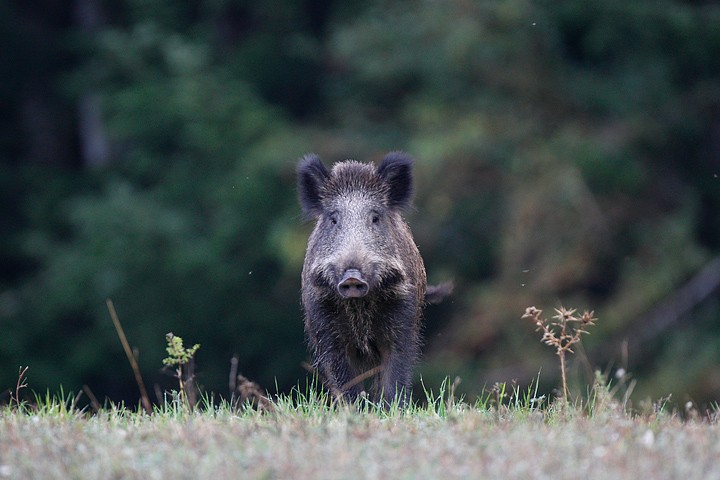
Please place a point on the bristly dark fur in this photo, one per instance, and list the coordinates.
(360, 232)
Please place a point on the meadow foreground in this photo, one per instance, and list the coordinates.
(299, 442)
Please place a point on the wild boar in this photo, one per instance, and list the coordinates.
(363, 279)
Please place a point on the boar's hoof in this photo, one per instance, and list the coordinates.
(352, 284)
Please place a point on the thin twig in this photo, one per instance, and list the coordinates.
(361, 378)
(94, 404)
(73, 405)
(131, 357)
(565, 392)
(21, 383)
(232, 383)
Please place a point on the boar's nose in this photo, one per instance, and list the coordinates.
(352, 284)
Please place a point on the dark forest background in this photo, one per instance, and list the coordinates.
(567, 152)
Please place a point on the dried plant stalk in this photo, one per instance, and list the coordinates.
(562, 332)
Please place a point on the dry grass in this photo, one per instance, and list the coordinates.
(309, 439)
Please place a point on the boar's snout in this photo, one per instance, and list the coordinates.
(352, 284)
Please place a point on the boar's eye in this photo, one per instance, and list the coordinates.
(375, 217)
(333, 218)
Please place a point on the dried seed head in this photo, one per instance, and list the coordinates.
(587, 318)
(533, 314)
(565, 315)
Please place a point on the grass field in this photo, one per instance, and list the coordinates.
(508, 433)
(307, 438)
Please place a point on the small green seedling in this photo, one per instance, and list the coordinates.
(180, 358)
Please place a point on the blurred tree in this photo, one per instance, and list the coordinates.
(571, 156)
(186, 232)
(567, 152)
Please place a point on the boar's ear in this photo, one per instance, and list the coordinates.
(396, 170)
(311, 175)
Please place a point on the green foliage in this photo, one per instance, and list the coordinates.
(552, 136)
(565, 149)
(178, 355)
(175, 231)
(182, 359)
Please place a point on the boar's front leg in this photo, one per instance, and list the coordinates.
(395, 379)
(334, 364)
